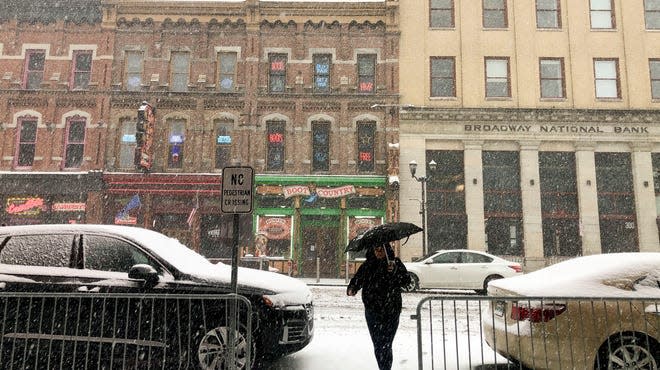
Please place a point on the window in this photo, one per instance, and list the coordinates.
(227, 71)
(223, 141)
(180, 64)
(275, 142)
(322, 72)
(497, 78)
(320, 146)
(654, 71)
(175, 143)
(441, 13)
(547, 14)
(552, 77)
(34, 69)
(127, 144)
(75, 143)
(37, 250)
(277, 73)
(652, 14)
(602, 14)
(494, 14)
(366, 65)
(108, 254)
(366, 132)
(82, 69)
(27, 140)
(606, 72)
(443, 77)
(134, 66)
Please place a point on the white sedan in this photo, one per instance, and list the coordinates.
(459, 269)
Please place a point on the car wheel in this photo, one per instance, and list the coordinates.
(484, 291)
(628, 351)
(213, 349)
(414, 283)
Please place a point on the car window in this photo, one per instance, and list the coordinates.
(110, 254)
(449, 257)
(476, 258)
(38, 250)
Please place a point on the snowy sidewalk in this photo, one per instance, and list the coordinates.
(312, 281)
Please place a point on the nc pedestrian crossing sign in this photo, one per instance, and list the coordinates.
(237, 189)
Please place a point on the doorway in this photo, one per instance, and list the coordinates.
(320, 235)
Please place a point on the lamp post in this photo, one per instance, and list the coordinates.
(413, 170)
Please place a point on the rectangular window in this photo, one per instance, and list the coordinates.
(128, 142)
(227, 71)
(223, 141)
(34, 69)
(366, 135)
(602, 14)
(547, 14)
(322, 72)
(441, 13)
(552, 77)
(82, 69)
(180, 69)
(497, 78)
(494, 14)
(320, 146)
(175, 143)
(652, 14)
(75, 143)
(27, 141)
(275, 140)
(366, 70)
(134, 65)
(654, 71)
(606, 72)
(443, 77)
(277, 73)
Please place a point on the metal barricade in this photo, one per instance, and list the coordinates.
(127, 331)
(482, 332)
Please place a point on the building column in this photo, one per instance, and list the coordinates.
(585, 168)
(645, 207)
(474, 195)
(530, 188)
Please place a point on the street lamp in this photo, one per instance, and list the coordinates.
(413, 169)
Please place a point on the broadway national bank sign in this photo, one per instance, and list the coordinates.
(558, 129)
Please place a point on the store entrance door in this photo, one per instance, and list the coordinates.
(320, 241)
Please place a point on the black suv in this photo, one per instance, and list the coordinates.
(101, 296)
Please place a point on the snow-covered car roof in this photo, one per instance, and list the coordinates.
(632, 274)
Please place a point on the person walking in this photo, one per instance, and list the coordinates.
(381, 277)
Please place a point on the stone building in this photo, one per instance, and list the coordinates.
(542, 117)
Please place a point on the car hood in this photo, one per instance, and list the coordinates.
(603, 275)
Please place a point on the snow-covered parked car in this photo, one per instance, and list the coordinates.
(118, 266)
(459, 269)
(593, 312)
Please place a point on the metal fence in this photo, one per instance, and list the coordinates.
(124, 331)
(461, 332)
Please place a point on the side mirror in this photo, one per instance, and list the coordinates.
(144, 272)
(428, 261)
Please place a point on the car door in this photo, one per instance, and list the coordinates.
(473, 270)
(443, 270)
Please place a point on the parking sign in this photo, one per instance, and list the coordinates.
(237, 192)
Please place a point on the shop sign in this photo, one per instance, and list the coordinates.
(24, 206)
(359, 225)
(339, 192)
(275, 228)
(290, 191)
(69, 207)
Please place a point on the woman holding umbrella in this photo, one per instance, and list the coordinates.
(381, 278)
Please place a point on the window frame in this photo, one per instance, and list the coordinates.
(648, 13)
(365, 77)
(367, 148)
(317, 60)
(595, 11)
(561, 78)
(127, 147)
(175, 126)
(277, 76)
(229, 75)
(74, 83)
(556, 12)
(20, 143)
(616, 79)
(654, 78)
(179, 75)
(452, 78)
(320, 148)
(28, 72)
(223, 126)
(275, 127)
(503, 11)
(488, 79)
(439, 9)
(70, 144)
(130, 72)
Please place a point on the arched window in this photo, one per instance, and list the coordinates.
(321, 146)
(75, 142)
(275, 140)
(176, 140)
(223, 143)
(27, 140)
(127, 144)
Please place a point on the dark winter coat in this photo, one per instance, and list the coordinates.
(381, 289)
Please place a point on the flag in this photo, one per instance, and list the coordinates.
(122, 218)
(191, 216)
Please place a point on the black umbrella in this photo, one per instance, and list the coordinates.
(381, 234)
